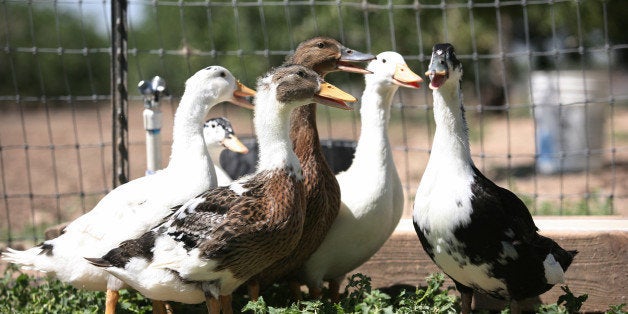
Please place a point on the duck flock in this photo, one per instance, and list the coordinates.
(191, 234)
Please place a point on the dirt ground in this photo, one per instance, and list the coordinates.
(46, 179)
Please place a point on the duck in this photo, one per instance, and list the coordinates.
(322, 194)
(133, 208)
(479, 234)
(217, 240)
(372, 193)
(218, 134)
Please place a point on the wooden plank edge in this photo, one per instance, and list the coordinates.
(599, 269)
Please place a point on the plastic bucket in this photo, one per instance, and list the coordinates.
(569, 123)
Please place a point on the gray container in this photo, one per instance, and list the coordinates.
(569, 121)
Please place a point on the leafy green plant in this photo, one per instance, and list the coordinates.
(616, 309)
(23, 293)
(360, 297)
(431, 299)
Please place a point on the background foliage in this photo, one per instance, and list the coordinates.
(176, 38)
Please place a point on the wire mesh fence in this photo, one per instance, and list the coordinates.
(544, 88)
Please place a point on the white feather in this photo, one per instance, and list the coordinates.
(133, 208)
(371, 191)
(553, 271)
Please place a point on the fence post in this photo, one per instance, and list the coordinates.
(152, 91)
(119, 94)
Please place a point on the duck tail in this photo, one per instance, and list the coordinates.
(556, 260)
(30, 259)
(564, 257)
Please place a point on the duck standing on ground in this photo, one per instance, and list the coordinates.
(479, 234)
(135, 207)
(372, 194)
(218, 134)
(219, 239)
(322, 194)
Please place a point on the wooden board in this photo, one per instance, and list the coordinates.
(599, 270)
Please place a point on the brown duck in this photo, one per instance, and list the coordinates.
(322, 193)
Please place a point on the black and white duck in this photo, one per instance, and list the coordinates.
(479, 234)
(218, 133)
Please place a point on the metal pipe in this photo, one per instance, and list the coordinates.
(119, 95)
(153, 118)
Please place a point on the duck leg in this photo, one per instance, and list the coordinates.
(515, 307)
(159, 307)
(213, 305)
(111, 300)
(466, 297)
(465, 302)
(315, 292)
(295, 289)
(253, 287)
(334, 289)
(169, 309)
(225, 303)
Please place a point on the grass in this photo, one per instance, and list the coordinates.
(596, 205)
(23, 293)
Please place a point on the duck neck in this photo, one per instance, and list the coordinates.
(304, 134)
(272, 127)
(214, 151)
(187, 133)
(373, 147)
(451, 138)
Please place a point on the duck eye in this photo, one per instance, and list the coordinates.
(301, 74)
(383, 60)
(321, 45)
(223, 74)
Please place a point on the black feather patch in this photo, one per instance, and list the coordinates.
(46, 248)
(140, 247)
(99, 262)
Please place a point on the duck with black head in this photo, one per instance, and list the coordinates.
(479, 234)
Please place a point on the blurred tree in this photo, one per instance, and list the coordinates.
(176, 38)
(47, 53)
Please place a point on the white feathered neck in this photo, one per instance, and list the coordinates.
(374, 116)
(272, 127)
(449, 169)
(451, 138)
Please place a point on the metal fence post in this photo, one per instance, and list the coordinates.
(152, 91)
(119, 92)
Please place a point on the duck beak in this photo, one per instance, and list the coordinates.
(437, 72)
(234, 144)
(348, 58)
(405, 77)
(330, 95)
(240, 95)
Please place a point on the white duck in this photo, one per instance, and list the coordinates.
(218, 134)
(219, 239)
(371, 191)
(133, 208)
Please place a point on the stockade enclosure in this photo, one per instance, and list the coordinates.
(545, 89)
